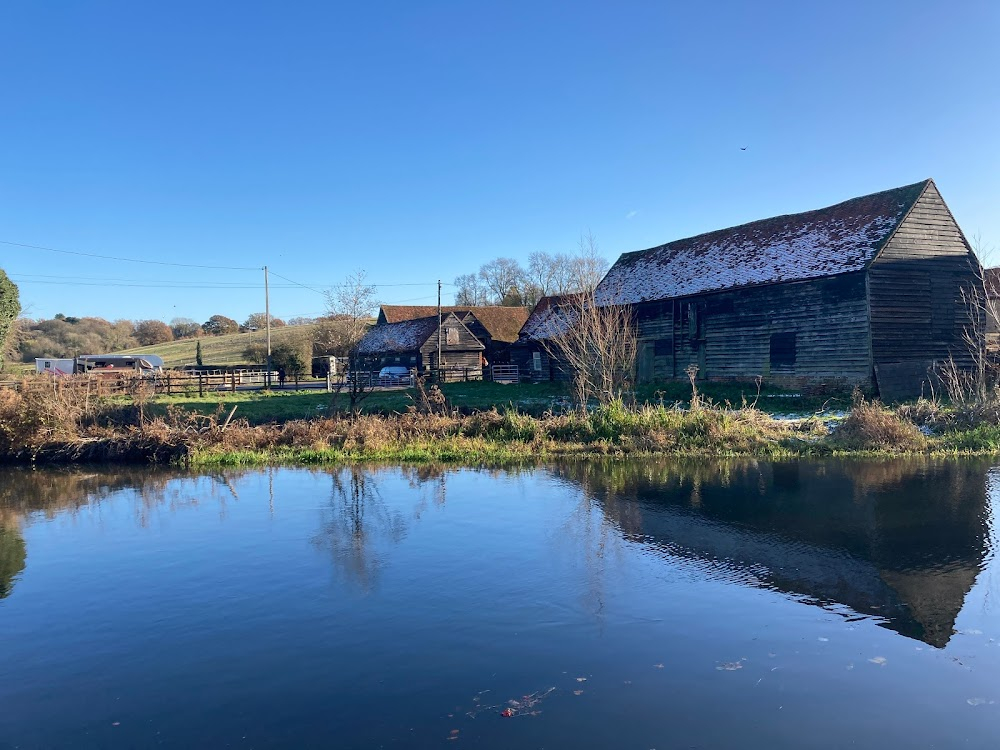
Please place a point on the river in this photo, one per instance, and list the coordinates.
(620, 604)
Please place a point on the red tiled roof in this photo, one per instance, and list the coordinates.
(399, 313)
(502, 323)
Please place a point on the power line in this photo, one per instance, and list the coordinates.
(143, 285)
(129, 260)
(298, 284)
(179, 283)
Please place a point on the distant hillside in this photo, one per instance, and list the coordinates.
(217, 350)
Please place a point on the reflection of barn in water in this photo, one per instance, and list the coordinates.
(900, 540)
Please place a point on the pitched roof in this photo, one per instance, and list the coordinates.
(399, 313)
(549, 318)
(502, 323)
(398, 337)
(833, 240)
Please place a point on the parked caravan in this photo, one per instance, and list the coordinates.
(145, 364)
(54, 366)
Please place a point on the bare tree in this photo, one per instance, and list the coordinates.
(353, 303)
(504, 278)
(542, 272)
(976, 380)
(596, 344)
(471, 291)
(588, 267)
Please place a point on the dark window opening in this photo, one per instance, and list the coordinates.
(782, 351)
(663, 347)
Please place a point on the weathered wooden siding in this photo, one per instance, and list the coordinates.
(809, 334)
(461, 349)
(551, 369)
(917, 313)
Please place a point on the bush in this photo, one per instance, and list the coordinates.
(870, 426)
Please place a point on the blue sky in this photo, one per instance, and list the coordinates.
(417, 140)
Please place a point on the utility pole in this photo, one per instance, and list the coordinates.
(439, 332)
(267, 323)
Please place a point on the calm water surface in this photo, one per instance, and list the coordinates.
(621, 605)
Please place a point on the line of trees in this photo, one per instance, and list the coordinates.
(10, 308)
(504, 281)
(66, 335)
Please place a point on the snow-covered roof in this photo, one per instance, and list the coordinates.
(833, 240)
(550, 317)
(398, 337)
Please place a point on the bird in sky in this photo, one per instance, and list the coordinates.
(743, 148)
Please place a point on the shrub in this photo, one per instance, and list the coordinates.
(870, 426)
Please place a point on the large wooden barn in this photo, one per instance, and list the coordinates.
(867, 292)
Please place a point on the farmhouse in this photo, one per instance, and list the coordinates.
(867, 292)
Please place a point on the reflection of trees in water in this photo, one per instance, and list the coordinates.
(51, 492)
(358, 522)
(12, 556)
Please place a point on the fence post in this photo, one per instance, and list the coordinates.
(329, 382)
(168, 384)
(232, 376)
(201, 386)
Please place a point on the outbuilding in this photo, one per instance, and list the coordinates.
(868, 292)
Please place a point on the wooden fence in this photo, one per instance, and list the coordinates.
(180, 382)
(168, 383)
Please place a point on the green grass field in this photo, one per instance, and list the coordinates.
(217, 350)
(278, 406)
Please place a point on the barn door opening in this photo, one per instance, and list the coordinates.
(644, 362)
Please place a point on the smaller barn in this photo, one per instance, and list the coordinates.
(495, 327)
(414, 344)
(532, 352)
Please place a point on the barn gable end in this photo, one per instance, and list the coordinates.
(916, 297)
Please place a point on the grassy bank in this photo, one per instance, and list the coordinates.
(51, 425)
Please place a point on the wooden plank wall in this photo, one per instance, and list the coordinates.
(465, 351)
(728, 334)
(918, 315)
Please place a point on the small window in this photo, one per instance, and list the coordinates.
(782, 351)
(451, 336)
(413, 360)
(397, 359)
(663, 347)
(536, 361)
